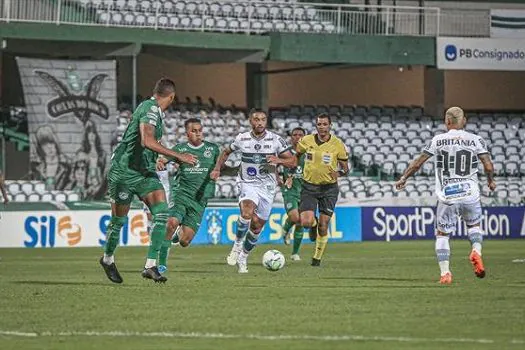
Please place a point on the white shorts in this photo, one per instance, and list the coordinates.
(261, 196)
(447, 215)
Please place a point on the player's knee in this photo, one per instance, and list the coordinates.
(306, 221)
(294, 217)
(184, 242)
(322, 228)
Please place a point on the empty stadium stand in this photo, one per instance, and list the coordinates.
(382, 141)
(223, 16)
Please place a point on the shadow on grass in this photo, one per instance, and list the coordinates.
(67, 283)
(394, 279)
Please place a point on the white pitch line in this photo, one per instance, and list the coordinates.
(198, 335)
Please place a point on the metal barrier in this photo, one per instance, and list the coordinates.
(251, 17)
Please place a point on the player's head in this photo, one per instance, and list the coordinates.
(164, 92)
(258, 121)
(323, 124)
(296, 135)
(455, 118)
(193, 128)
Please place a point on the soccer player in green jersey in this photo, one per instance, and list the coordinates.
(291, 191)
(190, 190)
(132, 172)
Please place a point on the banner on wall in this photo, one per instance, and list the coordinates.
(411, 223)
(507, 23)
(69, 108)
(88, 228)
(480, 54)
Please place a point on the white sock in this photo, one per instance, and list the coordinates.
(443, 254)
(150, 263)
(476, 238)
(108, 259)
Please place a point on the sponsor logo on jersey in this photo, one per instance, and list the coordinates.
(214, 226)
(251, 171)
(455, 142)
(327, 158)
(257, 146)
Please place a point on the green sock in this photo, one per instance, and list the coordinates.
(158, 231)
(288, 224)
(113, 234)
(297, 239)
(164, 252)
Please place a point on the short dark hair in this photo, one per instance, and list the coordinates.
(298, 129)
(164, 87)
(324, 116)
(256, 110)
(191, 121)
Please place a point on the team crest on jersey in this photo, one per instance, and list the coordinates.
(123, 195)
(207, 153)
(214, 227)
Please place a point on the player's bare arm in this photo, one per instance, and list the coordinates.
(343, 169)
(286, 159)
(412, 169)
(2, 188)
(147, 137)
(216, 172)
(489, 170)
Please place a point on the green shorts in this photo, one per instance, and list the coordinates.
(122, 185)
(291, 201)
(187, 211)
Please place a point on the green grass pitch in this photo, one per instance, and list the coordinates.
(365, 296)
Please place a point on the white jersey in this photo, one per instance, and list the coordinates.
(456, 164)
(254, 168)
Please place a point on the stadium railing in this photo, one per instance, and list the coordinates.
(251, 17)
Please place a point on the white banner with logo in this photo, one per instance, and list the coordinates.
(70, 105)
(49, 229)
(480, 54)
(507, 23)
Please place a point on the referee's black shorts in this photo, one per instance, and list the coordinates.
(324, 196)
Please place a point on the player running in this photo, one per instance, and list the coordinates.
(132, 172)
(262, 151)
(456, 162)
(191, 189)
(291, 191)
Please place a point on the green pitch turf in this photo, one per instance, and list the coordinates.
(365, 296)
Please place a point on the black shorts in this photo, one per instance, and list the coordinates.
(324, 196)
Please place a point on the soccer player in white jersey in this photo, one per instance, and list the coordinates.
(262, 151)
(456, 164)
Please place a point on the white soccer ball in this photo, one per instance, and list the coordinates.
(273, 260)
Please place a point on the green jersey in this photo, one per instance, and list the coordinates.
(297, 174)
(194, 181)
(130, 154)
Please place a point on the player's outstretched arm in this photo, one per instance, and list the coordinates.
(489, 170)
(286, 159)
(147, 137)
(216, 172)
(411, 170)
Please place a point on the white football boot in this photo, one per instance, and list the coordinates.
(295, 257)
(242, 262)
(231, 259)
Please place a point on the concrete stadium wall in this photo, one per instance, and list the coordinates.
(381, 85)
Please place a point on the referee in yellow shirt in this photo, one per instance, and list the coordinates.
(325, 154)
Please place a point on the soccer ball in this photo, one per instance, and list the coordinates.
(273, 260)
